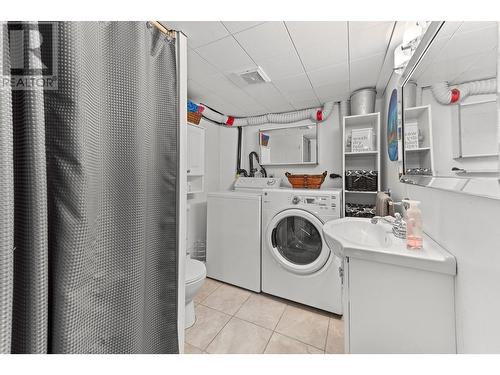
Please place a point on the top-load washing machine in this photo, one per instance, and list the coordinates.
(296, 261)
(234, 232)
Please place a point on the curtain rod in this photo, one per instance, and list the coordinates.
(163, 29)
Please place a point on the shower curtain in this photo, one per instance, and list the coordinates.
(88, 187)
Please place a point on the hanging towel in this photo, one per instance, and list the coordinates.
(383, 205)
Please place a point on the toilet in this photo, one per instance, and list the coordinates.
(196, 273)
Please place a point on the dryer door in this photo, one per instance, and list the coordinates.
(295, 240)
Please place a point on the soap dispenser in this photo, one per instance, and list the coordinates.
(414, 230)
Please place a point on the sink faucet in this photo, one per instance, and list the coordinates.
(387, 219)
(397, 222)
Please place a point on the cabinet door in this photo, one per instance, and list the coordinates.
(196, 151)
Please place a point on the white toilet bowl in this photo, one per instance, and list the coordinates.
(196, 273)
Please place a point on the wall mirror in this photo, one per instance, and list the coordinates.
(289, 145)
(450, 128)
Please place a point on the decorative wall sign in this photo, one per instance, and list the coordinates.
(392, 126)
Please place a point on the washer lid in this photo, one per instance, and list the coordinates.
(195, 270)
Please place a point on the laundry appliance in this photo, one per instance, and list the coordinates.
(234, 232)
(297, 264)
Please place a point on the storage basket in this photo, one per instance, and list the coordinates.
(361, 180)
(359, 210)
(194, 117)
(306, 181)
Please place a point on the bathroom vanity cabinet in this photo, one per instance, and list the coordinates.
(400, 303)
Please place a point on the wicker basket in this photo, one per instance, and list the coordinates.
(359, 210)
(194, 117)
(306, 181)
(361, 180)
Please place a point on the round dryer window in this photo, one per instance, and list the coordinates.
(296, 241)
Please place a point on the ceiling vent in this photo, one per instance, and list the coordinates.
(254, 76)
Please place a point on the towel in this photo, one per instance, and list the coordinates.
(383, 205)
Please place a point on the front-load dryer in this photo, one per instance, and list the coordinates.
(297, 264)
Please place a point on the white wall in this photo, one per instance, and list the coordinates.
(220, 166)
(329, 144)
(467, 227)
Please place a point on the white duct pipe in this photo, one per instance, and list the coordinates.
(445, 95)
(314, 114)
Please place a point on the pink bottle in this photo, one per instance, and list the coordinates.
(414, 230)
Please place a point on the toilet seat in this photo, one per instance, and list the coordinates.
(195, 271)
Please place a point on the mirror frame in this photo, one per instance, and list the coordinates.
(291, 127)
(441, 182)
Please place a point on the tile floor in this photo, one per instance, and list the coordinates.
(234, 320)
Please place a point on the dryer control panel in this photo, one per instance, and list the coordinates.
(327, 202)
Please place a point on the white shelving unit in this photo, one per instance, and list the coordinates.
(369, 160)
(422, 156)
(195, 159)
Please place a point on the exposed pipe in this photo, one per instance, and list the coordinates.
(240, 171)
(445, 95)
(314, 114)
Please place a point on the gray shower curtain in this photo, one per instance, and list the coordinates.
(88, 184)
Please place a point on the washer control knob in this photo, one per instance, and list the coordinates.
(295, 200)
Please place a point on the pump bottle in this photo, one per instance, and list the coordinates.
(414, 230)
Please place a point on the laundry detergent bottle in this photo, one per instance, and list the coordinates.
(414, 230)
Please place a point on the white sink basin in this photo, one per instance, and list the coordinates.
(359, 238)
(356, 233)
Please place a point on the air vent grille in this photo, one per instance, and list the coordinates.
(254, 76)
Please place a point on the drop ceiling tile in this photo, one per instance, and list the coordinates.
(484, 67)
(198, 68)
(213, 98)
(297, 90)
(199, 33)
(448, 29)
(469, 43)
(268, 96)
(226, 55)
(430, 58)
(368, 38)
(474, 26)
(306, 103)
(329, 75)
(333, 92)
(364, 72)
(278, 68)
(237, 26)
(319, 43)
(298, 82)
(270, 47)
(300, 95)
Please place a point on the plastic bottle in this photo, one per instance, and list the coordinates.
(414, 230)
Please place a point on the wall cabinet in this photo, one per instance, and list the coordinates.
(195, 158)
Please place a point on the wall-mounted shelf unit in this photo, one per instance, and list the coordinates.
(195, 158)
(362, 160)
(420, 156)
